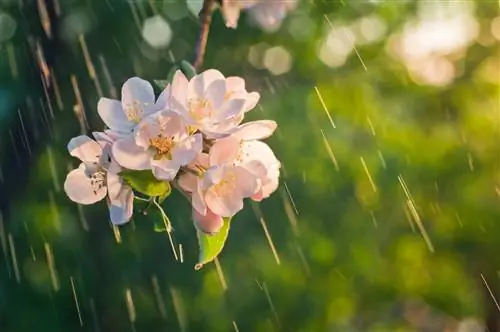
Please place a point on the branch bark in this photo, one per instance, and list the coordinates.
(201, 44)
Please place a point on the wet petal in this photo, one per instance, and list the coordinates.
(200, 83)
(164, 169)
(209, 222)
(230, 109)
(85, 149)
(188, 182)
(163, 100)
(137, 92)
(235, 84)
(216, 93)
(226, 205)
(251, 100)
(111, 112)
(121, 208)
(79, 188)
(225, 150)
(114, 184)
(256, 130)
(247, 183)
(180, 89)
(257, 150)
(129, 155)
(187, 150)
(231, 13)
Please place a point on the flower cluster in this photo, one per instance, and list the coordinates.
(192, 136)
(267, 14)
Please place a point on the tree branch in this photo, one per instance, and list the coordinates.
(201, 44)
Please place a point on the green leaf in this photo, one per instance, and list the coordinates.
(161, 198)
(145, 183)
(211, 245)
(162, 84)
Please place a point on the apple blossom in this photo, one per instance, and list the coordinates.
(243, 149)
(160, 142)
(217, 193)
(138, 101)
(267, 14)
(210, 102)
(97, 177)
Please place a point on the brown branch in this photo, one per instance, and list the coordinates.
(201, 44)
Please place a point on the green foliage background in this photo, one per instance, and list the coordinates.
(350, 256)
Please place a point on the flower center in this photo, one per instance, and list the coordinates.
(226, 186)
(133, 111)
(199, 108)
(98, 180)
(163, 147)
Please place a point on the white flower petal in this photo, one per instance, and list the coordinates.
(163, 100)
(199, 84)
(137, 92)
(121, 208)
(223, 205)
(188, 182)
(235, 84)
(114, 184)
(231, 13)
(128, 155)
(256, 130)
(85, 149)
(187, 150)
(180, 89)
(246, 182)
(230, 109)
(216, 93)
(164, 169)
(111, 112)
(209, 222)
(79, 188)
(252, 99)
(225, 150)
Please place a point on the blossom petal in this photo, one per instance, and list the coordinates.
(111, 112)
(209, 222)
(129, 155)
(246, 182)
(200, 83)
(186, 150)
(256, 130)
(251, 100)
(201, 160)
(235, 84)
(180, 89)
(188, 182)
(79, 188)
(85, 149)
(223, 205)
(230, 109)
(231, 13)
(122, 207)
(164, 169)
(216, 93)
(225, 150)
(163, 100)
(257, 150)
(114, 184)
(137, 92)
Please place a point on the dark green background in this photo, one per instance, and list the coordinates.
(351, 260)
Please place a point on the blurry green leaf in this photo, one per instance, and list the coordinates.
(211, 245)
(145, 183)
(161, 198)
(162, 84)
(187, 69)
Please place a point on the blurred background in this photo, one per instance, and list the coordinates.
(387, 217)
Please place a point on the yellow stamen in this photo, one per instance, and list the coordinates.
(163, 147)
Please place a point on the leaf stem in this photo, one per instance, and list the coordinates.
(205, 19)
(166, 220)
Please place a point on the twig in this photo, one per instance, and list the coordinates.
(201, 44)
